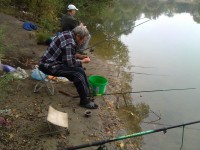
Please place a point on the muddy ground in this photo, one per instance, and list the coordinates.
(26, 126)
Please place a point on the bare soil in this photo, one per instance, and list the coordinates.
(26, 126)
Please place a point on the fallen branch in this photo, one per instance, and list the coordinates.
(67, 94)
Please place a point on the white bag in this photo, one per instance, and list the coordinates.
(20, 73)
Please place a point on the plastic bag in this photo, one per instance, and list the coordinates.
(20, 73)
(37, 74)
(8, 68)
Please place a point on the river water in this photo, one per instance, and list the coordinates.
(160, 54)
(168, 49)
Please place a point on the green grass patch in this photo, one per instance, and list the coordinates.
(42, 37)
(5, 81)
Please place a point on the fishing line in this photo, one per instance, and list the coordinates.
(182, 138)
(159, 116)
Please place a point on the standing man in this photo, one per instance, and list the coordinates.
(60, 59)
(69, 22)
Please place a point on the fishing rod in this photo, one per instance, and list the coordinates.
(129, 92)
(136, 66)
(97, 143)
(142, 66)
(148, 74)
(100, 42)
(147, 91)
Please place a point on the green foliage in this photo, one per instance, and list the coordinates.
(4, 3)
(42, 37)
(47, 13)
(4, 81)
(44, 12)
(46, 24)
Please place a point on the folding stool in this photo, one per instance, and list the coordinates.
(56, 118)
(44, 82)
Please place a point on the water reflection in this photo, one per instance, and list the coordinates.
(108, 23)
(133, 116)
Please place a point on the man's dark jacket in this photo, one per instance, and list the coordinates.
(68, 22)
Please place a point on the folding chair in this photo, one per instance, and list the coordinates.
(44, 82)
(56, 118)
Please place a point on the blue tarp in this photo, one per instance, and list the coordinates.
(29, 26)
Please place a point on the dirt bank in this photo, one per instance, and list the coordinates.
(27, 119)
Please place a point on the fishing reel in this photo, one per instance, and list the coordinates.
(102, 147)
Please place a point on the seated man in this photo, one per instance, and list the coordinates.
(69, 22)
(60, 59)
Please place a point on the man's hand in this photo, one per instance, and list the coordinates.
(79, 56)
(85, 60)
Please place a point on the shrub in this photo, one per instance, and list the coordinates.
(42, 37)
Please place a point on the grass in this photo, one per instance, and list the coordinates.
(42, 37)
(5, 81)
(2, 46)
(4, 78)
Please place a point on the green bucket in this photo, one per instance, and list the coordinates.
(98, 84)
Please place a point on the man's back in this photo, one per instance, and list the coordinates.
(68, 22)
